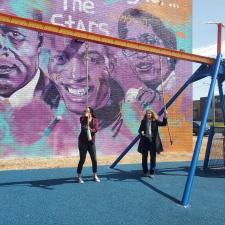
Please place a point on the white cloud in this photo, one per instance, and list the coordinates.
(210, 50)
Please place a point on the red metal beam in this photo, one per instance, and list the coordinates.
(100, 39)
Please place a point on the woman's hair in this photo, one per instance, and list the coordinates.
(154, 114)
(92, 112)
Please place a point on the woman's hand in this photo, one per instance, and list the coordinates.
(88, 115)
(146, 96)
(165, 113)
(142, 133)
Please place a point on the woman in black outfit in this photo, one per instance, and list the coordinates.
(86, 142)
(150, 140)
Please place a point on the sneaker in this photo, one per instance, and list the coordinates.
(80, 180)
(96, 178)
(152, 176)
(145, 174)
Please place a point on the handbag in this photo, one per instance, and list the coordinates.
(140, 146)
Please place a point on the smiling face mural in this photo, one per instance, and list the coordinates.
(150, 31)
(68, 68)
(43, 77)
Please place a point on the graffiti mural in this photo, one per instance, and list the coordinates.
(43, 77)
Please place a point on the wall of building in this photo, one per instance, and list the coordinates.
(43, 77)
(198, 106)
(196, 110)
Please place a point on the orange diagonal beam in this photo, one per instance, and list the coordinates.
(100, 39)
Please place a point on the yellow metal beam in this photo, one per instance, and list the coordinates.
(100, 39)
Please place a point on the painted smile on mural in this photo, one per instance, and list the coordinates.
(6, 68)
(76, 92)
(8, 73)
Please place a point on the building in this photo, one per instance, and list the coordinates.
(198, 108)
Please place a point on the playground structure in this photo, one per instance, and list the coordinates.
(209, 67)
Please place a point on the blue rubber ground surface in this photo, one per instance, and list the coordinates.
(124, 197)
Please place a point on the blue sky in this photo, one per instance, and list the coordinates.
(204, 36)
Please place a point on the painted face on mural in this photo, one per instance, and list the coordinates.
(145, 66)
(19, 49)
(68, 69)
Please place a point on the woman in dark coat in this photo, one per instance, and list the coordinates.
(86, 142)
(150, 140)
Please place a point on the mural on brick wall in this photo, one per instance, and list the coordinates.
(43, 77)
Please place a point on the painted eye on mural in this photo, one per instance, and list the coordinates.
(129, 52)
(95, 58)
(15, 35)
(149, 39)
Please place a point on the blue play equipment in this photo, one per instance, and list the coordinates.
(217, 72)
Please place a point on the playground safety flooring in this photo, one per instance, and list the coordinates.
(124, 197)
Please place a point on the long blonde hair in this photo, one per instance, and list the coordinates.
(154, 114)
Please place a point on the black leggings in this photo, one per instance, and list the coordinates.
(83, 148)
(152, 161)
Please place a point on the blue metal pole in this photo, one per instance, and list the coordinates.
(208, 148)
(202, 72)
(170, 102)
(189, 182)
(125, 151)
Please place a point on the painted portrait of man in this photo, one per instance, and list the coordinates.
(151, 70)
(21, 79)
(68, 70)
